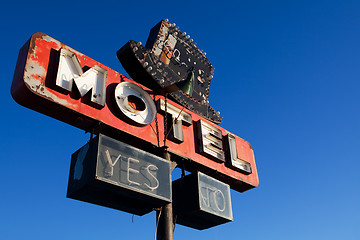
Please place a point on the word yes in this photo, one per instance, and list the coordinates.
(132, 171)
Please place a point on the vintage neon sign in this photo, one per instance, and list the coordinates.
(167, 57)
(201, 202)
(58, 81)
(111, 173)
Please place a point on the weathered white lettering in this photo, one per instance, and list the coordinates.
(94, 79)
(233, 160)
(150, 169)
(134, 103)
(175, 121)
(213, 198)
(109, 168)
(132, 171)
(210, 141)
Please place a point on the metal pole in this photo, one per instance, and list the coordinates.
(165, 215)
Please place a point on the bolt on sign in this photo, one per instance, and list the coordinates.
(58, 81)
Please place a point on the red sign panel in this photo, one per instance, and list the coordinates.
(58, 81)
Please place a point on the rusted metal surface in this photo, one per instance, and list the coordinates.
(167, 58)
(34, 87)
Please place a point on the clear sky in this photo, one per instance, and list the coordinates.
(287, 79)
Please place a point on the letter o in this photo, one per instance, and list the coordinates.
(220, 200)
(134, 103)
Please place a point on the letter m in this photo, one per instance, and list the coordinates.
(93, 80)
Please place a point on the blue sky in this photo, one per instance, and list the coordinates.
(286, 79)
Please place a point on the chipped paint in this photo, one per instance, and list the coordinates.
(50, 39)
(37, 86)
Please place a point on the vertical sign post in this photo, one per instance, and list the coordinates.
(164, 216)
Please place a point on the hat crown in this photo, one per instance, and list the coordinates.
(180, 54)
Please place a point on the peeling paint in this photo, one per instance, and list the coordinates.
(50, 39)
(37, 86)
(32, 69)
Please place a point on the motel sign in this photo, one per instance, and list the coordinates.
(133, 122)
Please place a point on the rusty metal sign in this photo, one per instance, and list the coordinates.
(201, 201)
(167, 58)
(56, 80)
(111, 173)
